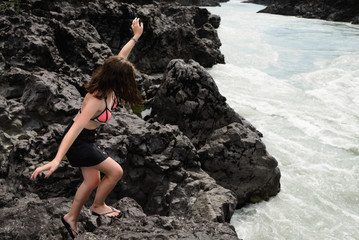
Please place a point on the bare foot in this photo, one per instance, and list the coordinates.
(73, 225)
(105, 210)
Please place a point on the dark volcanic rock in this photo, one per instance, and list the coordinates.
(181, 2)
(48, 49)
(32, 218)
(238, 160)
(189, 98)
(41, 34)
(332, 10)
(161, 170)
(230, 148)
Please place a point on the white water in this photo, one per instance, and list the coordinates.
(297, 81)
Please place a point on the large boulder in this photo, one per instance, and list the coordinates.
(238, 160)
(230, 148)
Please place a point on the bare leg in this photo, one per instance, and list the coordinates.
(91, 181)
(113, 172)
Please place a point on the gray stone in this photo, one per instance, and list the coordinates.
(230, 148)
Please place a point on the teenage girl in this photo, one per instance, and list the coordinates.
(111, 82)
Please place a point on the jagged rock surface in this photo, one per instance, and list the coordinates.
(42, 33)
(331, 10)
(197, 2)
(190, 99)
(181, 2)
(33, 218)
(48, 49)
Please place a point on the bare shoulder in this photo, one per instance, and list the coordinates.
(92, 101)
(90, 97)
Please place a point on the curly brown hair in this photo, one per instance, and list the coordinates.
(118, 75)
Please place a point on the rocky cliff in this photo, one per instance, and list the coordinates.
(187, 165)
(331, 10)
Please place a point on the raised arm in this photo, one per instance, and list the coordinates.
(88, 111)
(137, 29)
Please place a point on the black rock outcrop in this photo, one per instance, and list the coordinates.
(229, 147)
(33, 218)
(180, 2)
(42, 34)
(187, 165)
(196, 2)
(331, 10)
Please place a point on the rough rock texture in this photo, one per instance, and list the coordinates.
(332, 10)
(161, 172)
(180, 2)
(161, 169)
(40, 34)
(196, 2)
(48, 49)
(33, 218)
(230, 148)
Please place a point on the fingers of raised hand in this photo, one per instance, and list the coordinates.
(134, 21)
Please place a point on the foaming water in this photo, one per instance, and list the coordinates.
(297, 81)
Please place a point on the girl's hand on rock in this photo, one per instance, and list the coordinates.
(137, 28)
(50, 167)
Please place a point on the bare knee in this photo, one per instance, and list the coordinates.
(111, 168)
(93, 183)
(116, 173)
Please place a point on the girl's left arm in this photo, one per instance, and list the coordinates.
(137, 29)
(89, 110)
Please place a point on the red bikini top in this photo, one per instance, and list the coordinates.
(105, 115)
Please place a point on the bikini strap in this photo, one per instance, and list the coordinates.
(106, 102)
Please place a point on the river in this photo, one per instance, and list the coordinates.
(297, 81)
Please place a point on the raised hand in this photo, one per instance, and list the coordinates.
(137, 28)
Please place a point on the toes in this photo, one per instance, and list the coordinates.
(113, 214)
(115, 210)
